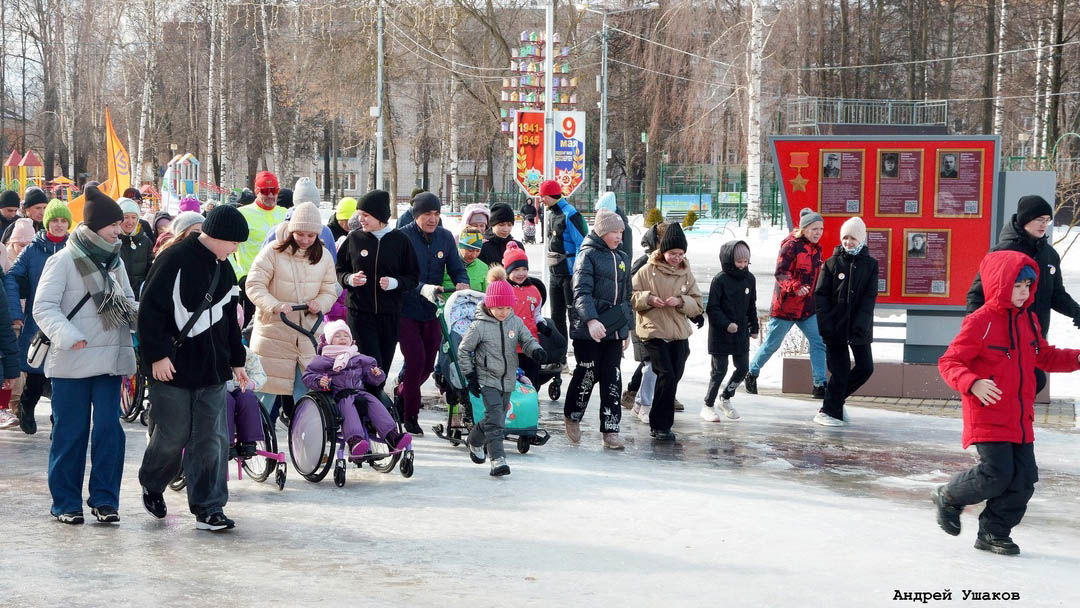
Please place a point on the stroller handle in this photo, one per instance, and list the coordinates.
(310, 333)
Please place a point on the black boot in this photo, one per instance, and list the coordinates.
(1002, 545)
(948, 515)
(412, 426)
(819, 391)
(26, 418)
(751, 384)
(246, 449)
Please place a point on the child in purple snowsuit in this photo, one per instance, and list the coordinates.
(243, 414)
(339, 365)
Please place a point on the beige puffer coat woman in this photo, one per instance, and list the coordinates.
(660, 279)
(277, 278)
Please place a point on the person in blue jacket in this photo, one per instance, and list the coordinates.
(420, 334)
(21, 282)
(566, 232)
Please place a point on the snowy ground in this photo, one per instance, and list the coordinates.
(771, 510)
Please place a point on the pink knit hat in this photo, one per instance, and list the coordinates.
(189, 204)
(333, 327)
(499, 293)
(23, 232)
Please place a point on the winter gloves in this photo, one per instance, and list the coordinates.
(474, 384)
(698, 320)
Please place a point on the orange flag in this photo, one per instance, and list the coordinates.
(119, 164)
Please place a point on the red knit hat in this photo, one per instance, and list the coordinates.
(499, 293)
(265, 179)
(550, 188)
(514, 257)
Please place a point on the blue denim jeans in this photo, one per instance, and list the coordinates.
(74, 402)
(266, 400)
(774, 337)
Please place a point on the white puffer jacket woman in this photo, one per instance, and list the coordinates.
(292, 271)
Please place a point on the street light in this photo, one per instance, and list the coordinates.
(602, 185)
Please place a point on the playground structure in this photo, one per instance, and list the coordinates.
(181, 180)
(21, 172)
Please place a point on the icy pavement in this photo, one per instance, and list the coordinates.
(767, 511)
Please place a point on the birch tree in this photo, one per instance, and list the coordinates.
(999, 104)
(753, 110)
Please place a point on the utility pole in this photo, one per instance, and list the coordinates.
(379, 110)
(602, 187)
(549, 117)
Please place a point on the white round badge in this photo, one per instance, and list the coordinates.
(1052, 269)
(841, 276)
(747, 291)
(510, 335)
(363, 253)
(439, 255)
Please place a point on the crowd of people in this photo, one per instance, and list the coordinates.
(210, 293)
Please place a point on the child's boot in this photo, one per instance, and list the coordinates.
(948, 515)
(358, 447)
(1002, 545)
(246, 449)
(399, 442)
(499, 467)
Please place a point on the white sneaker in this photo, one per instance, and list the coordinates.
(725, 406)
(636, 410)
(708, 414)
(826, 420)
(8, 420)
(643, 415)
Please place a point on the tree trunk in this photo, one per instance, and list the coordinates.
(211, 91)
(1054, 84)
(268, 82)
(454, 143)
(845, 42)
(1040, 61)
(388, 137)
(228, 176)
(753, 133)
(950, 41)
(147, 91)
(988, 70)
(999, 103)
(326, 160)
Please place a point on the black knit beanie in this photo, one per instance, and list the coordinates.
(9, 198)
(376, 204)
(501, 213)
(35, 196)
(423, 203)
(284, 198)
(673, 238)
(100, 209)
(1031, 207)
(226, 223)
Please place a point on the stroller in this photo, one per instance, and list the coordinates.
(528, 227)
(555, 346)
(523, 416)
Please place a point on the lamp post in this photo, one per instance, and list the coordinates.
(378, 105)
(602, 181)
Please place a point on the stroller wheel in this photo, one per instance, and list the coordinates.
(143, 418)
(279, 477)
(407, 465)
(523, 444)
(555, 389)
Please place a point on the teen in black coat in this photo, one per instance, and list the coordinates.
(732, 306)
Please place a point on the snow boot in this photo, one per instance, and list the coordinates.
(1002, 545)
(412, 426)
(246, 449)
(27, 422)
(948, 515)
(751, 384)
(662, 435)
(499, 467)
(358, 448)
(573, 431)
(611, 441)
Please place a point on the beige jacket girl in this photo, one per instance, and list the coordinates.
(660, 279)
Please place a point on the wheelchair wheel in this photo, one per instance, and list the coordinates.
(339, 474)
(132, 397)
(279, 477)
(312, 437)
(407, 465)
(386, 464)
(179, 482)
(260, 467)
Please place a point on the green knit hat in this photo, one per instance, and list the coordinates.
(56, 209)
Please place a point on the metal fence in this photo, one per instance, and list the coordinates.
(809, 112)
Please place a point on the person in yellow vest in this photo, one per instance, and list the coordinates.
(261, 216)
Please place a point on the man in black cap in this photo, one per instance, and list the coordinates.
(188, 372)
(1026, 232)
(9, 209)
(33, 207)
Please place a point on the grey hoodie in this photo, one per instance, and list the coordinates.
(489, 349)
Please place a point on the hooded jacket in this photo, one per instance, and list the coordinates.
(489, 349)
(601, 282)
(391, 256)
(491, 252)
(137, 252)
(660, 279)
(797, 266)
(732, 299)
(845, 296)
(1003, 343)
(435, 253)
(566, 232)
(21, 282)
(359, 373)
(178, 281)
(1050, 294)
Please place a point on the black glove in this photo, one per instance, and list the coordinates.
(540, 356)
(474, 384)
(698, 320)
(544, 329)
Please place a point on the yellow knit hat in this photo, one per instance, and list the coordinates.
(346, 207)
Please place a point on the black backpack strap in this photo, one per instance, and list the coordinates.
(203, 305)
(75, 311)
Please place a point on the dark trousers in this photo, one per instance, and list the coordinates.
(188, 422)
(420, 347)
(668, 360)
(844, 379)
(32, 391)
(561, 292)
(597, 363)
(376, 335)
(245, 303)
(489, 432)
(530, 368)
(1005, 478)
(635, 379)
(719, 370)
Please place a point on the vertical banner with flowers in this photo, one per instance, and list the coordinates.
(569, 150)
(529, 151)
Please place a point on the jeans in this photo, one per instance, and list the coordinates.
(188, 422)
(716, 376)
(267, 400)
(668, 360)
(596, 363)
(74, 402)
(1005, 478)
(489, 431)
(648, 385)
(845, 380)
(774, 337)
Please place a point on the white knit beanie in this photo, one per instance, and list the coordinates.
(305, 192)
(855, 227)
(305, 217)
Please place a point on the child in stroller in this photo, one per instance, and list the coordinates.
(339, 367)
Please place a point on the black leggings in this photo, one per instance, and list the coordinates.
(376, 335)
(845, 380)
(597, 363)
(668, 359)
(716, 377)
